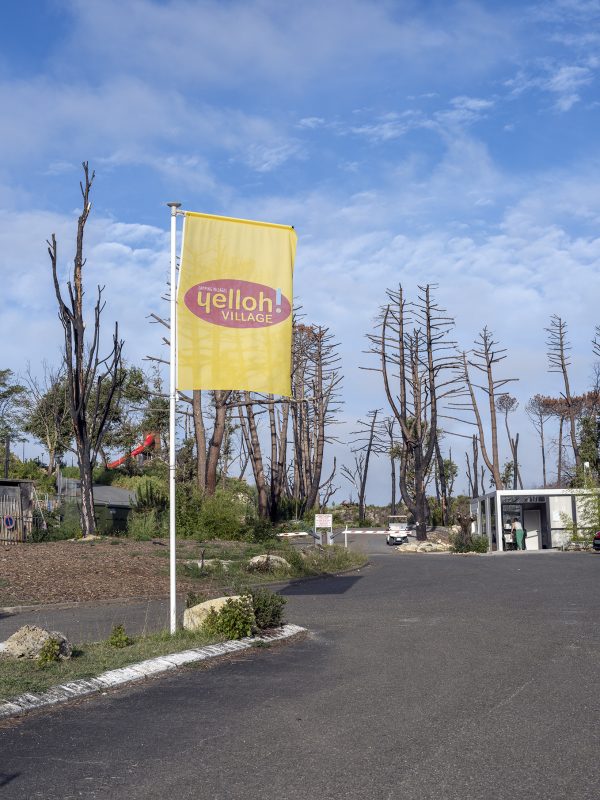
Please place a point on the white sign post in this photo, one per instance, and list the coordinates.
(324, 522)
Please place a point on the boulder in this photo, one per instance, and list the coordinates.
(211, 563)
(28, 641)
(193, 618)
(268, 563)
(411, 547)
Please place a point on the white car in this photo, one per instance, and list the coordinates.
(397, 532)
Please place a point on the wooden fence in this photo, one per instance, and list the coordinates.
(14, 526)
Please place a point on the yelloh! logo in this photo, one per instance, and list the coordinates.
(234, 303)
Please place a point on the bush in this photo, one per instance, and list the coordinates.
(260, 530)
(50, 652)
(145, 525)
(189, 504)
(118, 638)
(268, 608)
(234, 621)
(223, 516)
(151, 494)
(468, 544)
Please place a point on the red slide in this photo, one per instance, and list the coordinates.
(148, 442)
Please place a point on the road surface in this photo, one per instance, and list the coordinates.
(424, 677)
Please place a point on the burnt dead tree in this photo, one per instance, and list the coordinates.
(484, 358)
(416, 359)
(472, 468)
(316, 380)
(93, 382)
(559, 361)
(364, 441)
(506, 405)
(388, 445)
(539, 414)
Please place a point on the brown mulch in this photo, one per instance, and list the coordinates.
(58, 572)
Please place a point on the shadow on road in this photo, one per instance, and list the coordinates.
(331, 585)
(6, 777)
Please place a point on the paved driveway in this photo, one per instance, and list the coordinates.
(427, 676)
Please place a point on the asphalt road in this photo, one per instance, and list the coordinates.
(427, 676)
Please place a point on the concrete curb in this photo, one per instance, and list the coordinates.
(135, 672)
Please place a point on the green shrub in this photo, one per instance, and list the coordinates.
(189, 504)
(233, 621)
(145, 525)
(50, 652)
(118, 638)
(261, 530)
(468, 544)
(151, 495)
(268, 608)
(223, 516)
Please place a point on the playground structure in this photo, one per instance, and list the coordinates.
(148, 443)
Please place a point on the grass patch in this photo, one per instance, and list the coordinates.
(89, 660)
(310, 562)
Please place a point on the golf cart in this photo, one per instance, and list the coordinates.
(397, 532)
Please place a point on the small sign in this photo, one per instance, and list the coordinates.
(323, 521)
(9, 522)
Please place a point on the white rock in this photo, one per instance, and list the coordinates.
(28, 641)
(266, 563)
(193, 618)
(212, 563)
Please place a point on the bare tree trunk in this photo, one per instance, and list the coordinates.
(475, 469)
(559, 478)
(254, 449)
(6, 455)
(363, 483)
(393, 475)
(216, 440)
(543, 457)
(87, 373)
(200, 436)
(559, 361)
(442, 479)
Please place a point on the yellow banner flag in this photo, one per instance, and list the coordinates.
(234, 305)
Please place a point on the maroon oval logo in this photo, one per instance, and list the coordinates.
(237, 304)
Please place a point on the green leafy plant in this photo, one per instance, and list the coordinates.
(223, 516)
(118, 638)
(50, 652)
(145, 525)
(468, 544)
(233, 621)
(268, 608)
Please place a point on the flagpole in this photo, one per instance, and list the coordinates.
(172, 408)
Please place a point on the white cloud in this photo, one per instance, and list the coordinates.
(563, 82)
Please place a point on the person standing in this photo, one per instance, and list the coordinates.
(519, 534)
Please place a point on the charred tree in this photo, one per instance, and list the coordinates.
(365, 438)
(483, 359)
(505, 405)
(559, 361)
(93, 381)
(538, 413)
(415, 355)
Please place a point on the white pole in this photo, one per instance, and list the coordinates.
(346, 537)
(172, 409)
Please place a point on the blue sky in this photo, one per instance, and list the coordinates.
(449, 142)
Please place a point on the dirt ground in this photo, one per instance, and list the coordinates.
(104, 569)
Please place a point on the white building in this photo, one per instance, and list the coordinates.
(543, 513)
